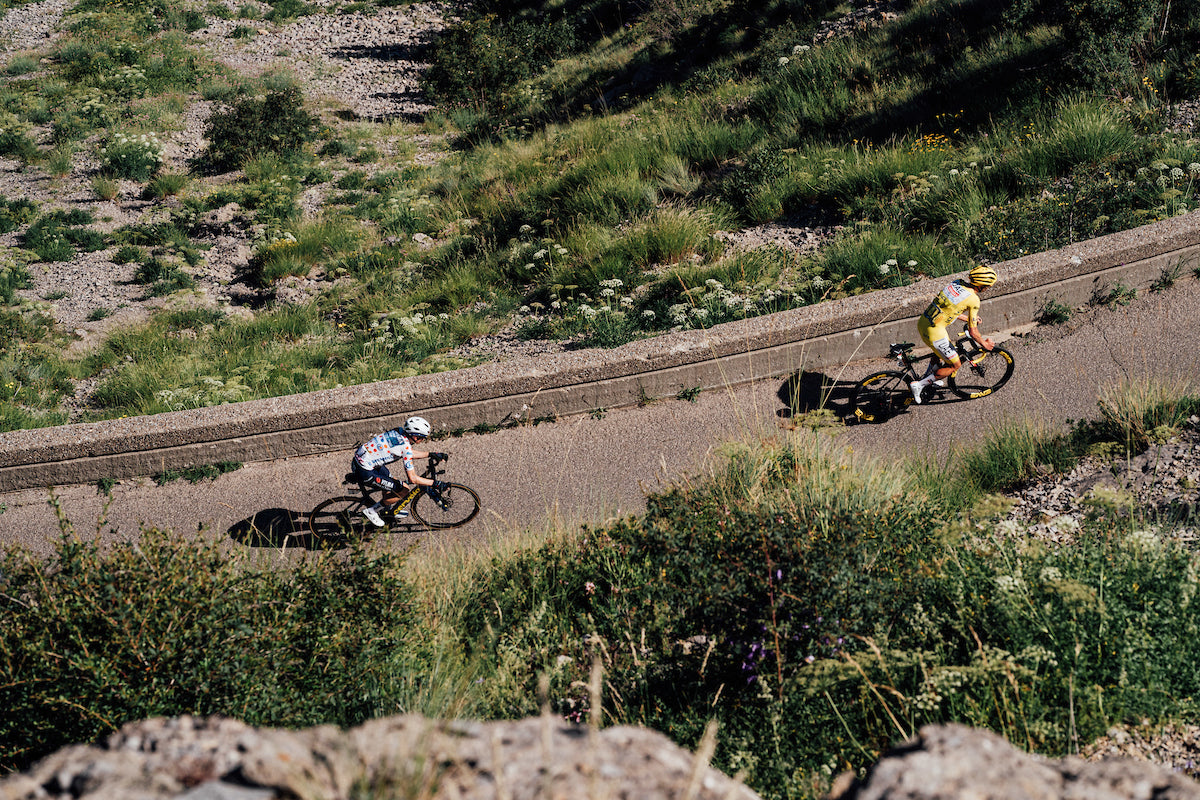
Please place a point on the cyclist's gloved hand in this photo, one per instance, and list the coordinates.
(439, 456)
(440, 486)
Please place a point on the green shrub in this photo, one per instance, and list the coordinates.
(474, 62)
(162, 277)
(21, 64)
(15, 213)
(283, 10)
(59, 161)
(1103, 38)
(134, 157)
(55, 236)
(15, 143)
(13, 276)
(69, 126)
(128, 253)
(106, 188)
(100, 639)
(1053, 312)
(716, 602)
(253, 126)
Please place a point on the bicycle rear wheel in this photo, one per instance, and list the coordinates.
(458, 505)
(340, 517)
(881, 396)
(982, 372)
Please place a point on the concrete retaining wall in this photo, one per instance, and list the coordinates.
(817, 337)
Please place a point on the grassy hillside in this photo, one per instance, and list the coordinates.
(592, 150)
(817, 606)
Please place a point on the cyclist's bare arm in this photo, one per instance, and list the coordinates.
(984, 342)
(413, 478)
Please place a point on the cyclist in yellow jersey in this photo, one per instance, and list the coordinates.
(959, 298)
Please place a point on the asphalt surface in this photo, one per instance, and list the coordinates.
(590, 470)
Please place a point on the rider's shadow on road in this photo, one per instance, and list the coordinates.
(806, 392)
(281, 528)
(276, 527)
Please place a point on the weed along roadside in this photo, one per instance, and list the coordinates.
(578, 382)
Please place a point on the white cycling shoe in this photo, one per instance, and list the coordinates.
(373, 517)
(916, 388)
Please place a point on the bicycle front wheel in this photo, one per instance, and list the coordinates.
(458, 505)
(881, 396)
(982, 372)
(340, 517)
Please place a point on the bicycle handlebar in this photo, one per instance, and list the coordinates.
(432, 471)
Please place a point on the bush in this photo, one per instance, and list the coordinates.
(161, 277)
(55, 236)
(14, 213)
(475, 62)
(103, 638)
(253, 126)
(1103, 38)
(13, 276)
(15, 143)
(134, 157)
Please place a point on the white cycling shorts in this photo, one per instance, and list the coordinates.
(946, 350)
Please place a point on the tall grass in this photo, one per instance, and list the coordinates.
(1139, 413)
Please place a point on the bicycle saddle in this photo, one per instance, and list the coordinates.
(901, 347)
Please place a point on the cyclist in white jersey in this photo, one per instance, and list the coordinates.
(373, 456)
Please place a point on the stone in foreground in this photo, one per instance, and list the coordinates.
(953, 762)
(405, 756)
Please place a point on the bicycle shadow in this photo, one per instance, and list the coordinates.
(807, 392)
(275, 528)
(281, 528)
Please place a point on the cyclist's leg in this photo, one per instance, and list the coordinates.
(380, 478)
(949, 357)
(945, 359)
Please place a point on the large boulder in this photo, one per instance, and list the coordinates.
(953, 762)
(405, 756)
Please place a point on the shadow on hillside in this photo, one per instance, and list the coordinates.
(806, 392)
(277, 528)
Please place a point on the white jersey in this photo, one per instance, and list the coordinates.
(385, 448)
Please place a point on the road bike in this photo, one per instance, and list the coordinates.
(454, 506)
(883, 395)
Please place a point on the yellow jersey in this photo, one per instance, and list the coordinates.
(958, 297)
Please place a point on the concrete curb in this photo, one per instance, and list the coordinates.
(817, 337)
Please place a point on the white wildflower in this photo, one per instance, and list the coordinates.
(1050, 575)
(1009, 584)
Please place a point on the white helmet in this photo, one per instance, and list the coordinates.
(418, 426)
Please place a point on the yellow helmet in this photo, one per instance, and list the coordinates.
(982, 276)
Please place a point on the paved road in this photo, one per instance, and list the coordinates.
(591, 470)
